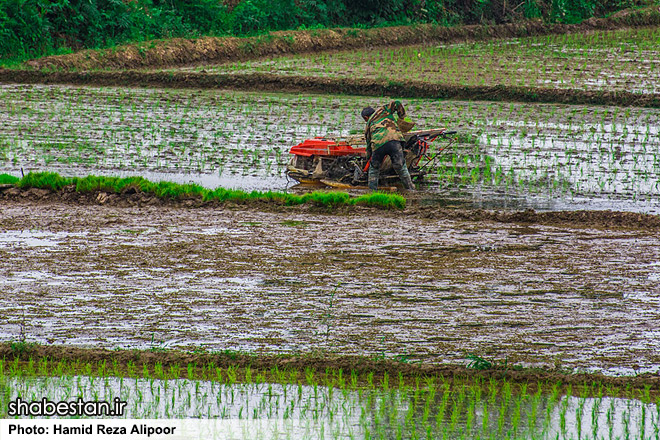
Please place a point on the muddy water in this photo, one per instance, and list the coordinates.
(369, 283)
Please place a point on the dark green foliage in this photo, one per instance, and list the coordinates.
(197, 16)
(376, 12)
(32, 28)
(318, 13)
(572, 11)
(254, 16)
(438, 12)
(172, 190)
(95, 23)
(23, 29)
(449, 12)
(251, 16)
(532, 9)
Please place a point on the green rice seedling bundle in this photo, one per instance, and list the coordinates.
(170, 190)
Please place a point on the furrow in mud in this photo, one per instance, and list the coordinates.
(331, 86)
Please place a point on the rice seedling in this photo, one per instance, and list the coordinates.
(566, 61)
(7, 179)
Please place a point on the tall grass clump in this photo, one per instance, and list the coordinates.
(223, 195)
(333, 198)
(175, 190)
(110, 184)
(118, 185)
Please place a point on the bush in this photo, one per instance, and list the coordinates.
(252, 16)
(375, 12)
(30, 28)
(572, 11)
(24, 31)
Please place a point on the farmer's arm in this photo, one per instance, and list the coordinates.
(396, 106)
(367, 137)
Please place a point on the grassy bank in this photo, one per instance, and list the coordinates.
(170, 190)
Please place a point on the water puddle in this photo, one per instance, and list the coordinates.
(28, 238)
(491, 199)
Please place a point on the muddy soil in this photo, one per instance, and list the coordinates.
(417, 206)
(364, 282)
(366, 87)
(131, 363)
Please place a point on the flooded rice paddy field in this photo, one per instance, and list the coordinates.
(623, 59)
(367, 283)
(343, 411)
(507, 154)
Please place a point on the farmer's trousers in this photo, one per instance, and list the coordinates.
(394, 150)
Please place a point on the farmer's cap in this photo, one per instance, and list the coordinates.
(367, 112)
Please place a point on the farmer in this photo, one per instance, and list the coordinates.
(384, 138)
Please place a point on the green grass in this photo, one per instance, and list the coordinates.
(8, 179)
(46, 180)
(170, 190)
(382, 200)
